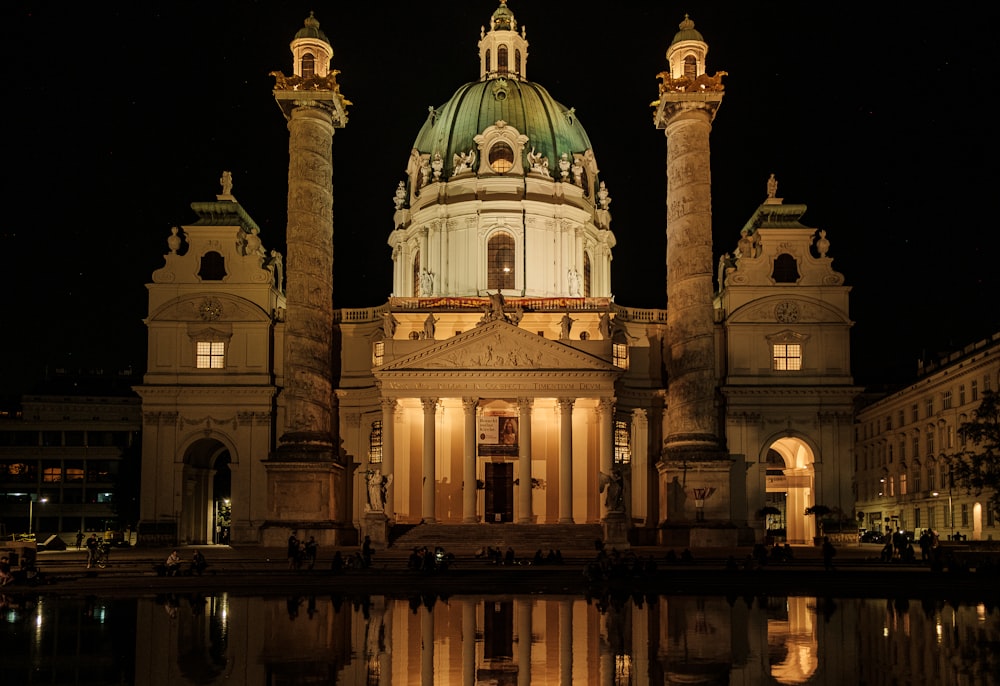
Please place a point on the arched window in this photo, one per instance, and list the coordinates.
(501, 158)
(308, 65)
(213, 267)
(586, 275)
(517, 61)
(500, 261)
(416, 274)
(487, 61)
(786, 269)
(690, 67)
(502, 59)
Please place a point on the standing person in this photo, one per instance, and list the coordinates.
(293, 549)
(79, 539)
(91, 551)
(198, 563)
(312, 547)
(366, 552)
(828, 552)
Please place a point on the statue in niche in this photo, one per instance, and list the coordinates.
(565, 324)
(772, 187)
(378, 486)
(613, 486)
(227, 183)
(426, 282)
(389, 324)
(604, 325)
(425, 172)
(573, 281)
(603, 199)
(822, 244)
(745, 247)
(495, 308)
(254, 246)
(429, 326)
(437, 164)
(277, 265)
(400, 197)
(726, 263)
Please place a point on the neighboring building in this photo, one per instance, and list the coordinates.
(905, 443)
(61, 458)
(500, 382)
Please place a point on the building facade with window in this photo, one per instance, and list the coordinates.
(906, 444)
(500, 382)
(62, 459)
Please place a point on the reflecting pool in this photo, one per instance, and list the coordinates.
(502, 639)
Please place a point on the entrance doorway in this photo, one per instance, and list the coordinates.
(499, 492)
(207, 480)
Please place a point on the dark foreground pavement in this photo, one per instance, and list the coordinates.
(254, 570)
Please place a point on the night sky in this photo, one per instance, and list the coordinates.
(119, 115)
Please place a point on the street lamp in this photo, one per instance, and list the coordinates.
(31, 510)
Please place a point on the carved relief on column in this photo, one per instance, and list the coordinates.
(309, 279)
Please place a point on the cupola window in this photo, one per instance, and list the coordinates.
(502, 59)
(488, 62)
(500, 262)
(501, 158)
(691, 67)
(213, 267)
(517, 61)
(786, 269)
(308, 65)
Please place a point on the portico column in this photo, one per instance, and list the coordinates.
(469, 406)
(388, 451)
(430, 481)
(565, 460)
(524, 459)
(604, 406)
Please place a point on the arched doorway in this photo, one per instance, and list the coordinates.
(790, 486)
(207, 482)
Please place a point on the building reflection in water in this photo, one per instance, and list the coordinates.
(503, 640)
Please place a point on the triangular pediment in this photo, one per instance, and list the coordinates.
(498, 346)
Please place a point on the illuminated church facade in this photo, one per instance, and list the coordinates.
(500, 384)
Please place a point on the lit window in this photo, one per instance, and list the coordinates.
(211, 355)
(502, 59)
(375, 443)
(619, 355)
(902, 484)
(501, 158)
(378, 353)
(623, 451)
(787, 357)
(500, 261)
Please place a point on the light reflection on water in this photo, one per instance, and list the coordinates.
(503, 639)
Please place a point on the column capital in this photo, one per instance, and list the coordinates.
(565, 403)
(470, 404)
(429, 404)
(605, 405)
(525, 404)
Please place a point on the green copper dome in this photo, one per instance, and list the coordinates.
(552, 128)
(687, 32)
(311, 30)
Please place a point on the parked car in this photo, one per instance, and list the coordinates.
(871, 537)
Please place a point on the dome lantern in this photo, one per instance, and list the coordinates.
(311, 50)
(502, 52)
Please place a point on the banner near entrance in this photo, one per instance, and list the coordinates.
(497, 435)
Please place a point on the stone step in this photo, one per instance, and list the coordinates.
(525, 539)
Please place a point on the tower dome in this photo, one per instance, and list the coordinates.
(502, 159)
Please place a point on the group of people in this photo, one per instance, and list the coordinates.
(423, 559)
(301, 553)
(173, 565)
(497, 556)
